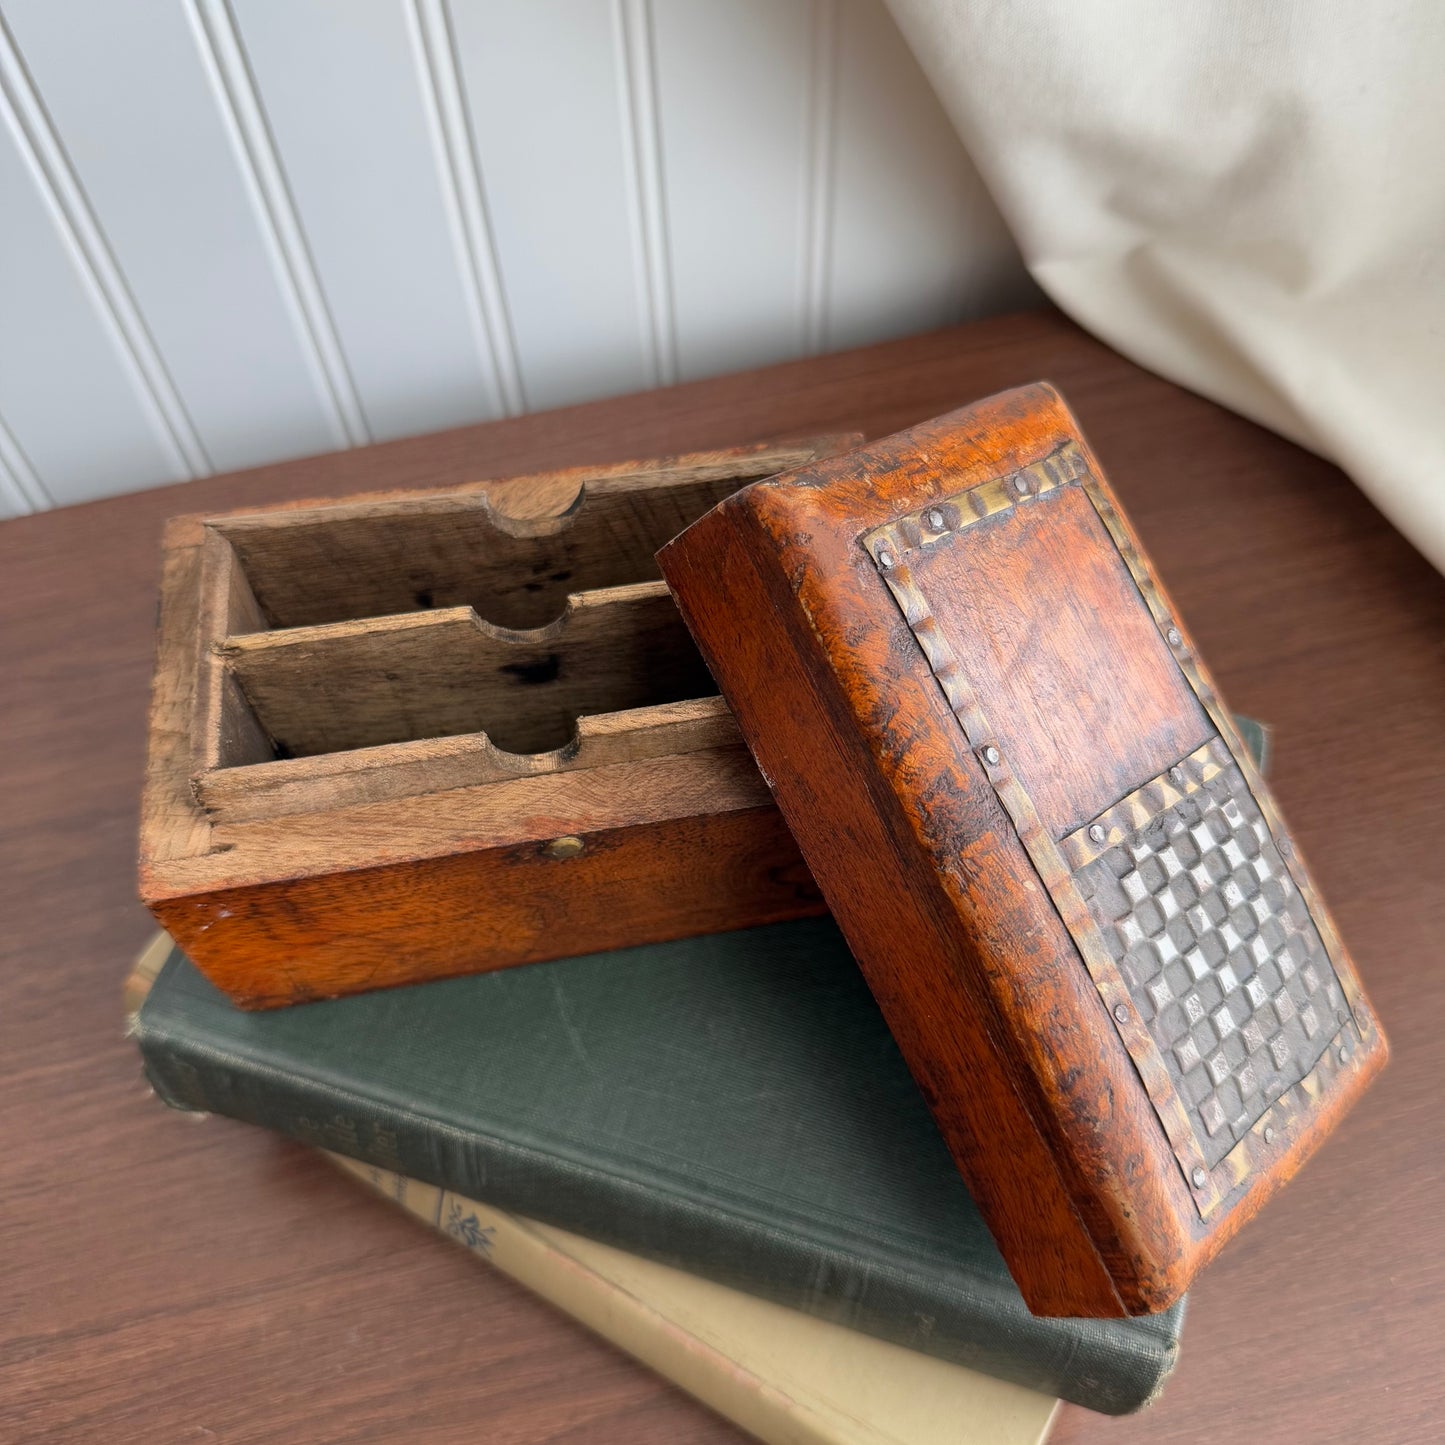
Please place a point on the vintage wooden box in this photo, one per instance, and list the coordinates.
(425, 733)
(1018, 788)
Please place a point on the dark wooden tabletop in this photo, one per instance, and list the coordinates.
(167, 1280)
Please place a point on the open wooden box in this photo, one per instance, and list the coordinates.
(414, 734)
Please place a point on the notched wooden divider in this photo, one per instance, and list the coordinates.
(345, 685)
(513, 553)
(375, 719)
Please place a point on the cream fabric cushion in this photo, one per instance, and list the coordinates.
(1246, 197)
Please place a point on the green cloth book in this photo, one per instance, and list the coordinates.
(732, 1105)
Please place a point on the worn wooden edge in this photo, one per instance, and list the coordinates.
(512, 497)
(397, 830)
(173, 826)
(435, 765)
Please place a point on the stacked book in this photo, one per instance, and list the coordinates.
(710, 1151)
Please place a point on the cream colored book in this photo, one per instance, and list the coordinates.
(783, 1376)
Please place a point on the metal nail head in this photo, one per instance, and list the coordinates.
(991, 756)
(566, 847)
(1269, 1133)
(885, 558)
(1174, 637)
(935, 520)
(1176, 776)
(1021, 485)
(1097, 833)
(1199, 1177)
(1121, 1013)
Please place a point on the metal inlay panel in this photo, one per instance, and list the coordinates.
(1205, 940)
(1214, 942)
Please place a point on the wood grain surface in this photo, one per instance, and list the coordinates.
(171, 1280)
(938, 703)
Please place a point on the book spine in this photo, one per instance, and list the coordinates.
(984, 1326)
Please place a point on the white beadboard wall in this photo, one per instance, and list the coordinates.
(233, 231)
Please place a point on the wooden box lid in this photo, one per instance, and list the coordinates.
(1032, 815)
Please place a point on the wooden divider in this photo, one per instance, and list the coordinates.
(513, 552)
(382, 680)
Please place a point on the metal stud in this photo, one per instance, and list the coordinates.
(1174, 637)
(1269, 1133)
(1021, 485)
(568, 846)
(991, 756)
(1097, 832)
(1121, 1012)
(1176, 776)
(885, 558)
(935, 520)
(1199, 1177)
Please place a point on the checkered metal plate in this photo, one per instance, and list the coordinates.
(1214, 942)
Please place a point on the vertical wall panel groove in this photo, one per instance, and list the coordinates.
(21, 489)
(80, 233)
(637, 88)
(466, 198)
(240, 230)
(817, 190)
(245, 122)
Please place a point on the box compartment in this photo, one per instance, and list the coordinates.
(435, 690)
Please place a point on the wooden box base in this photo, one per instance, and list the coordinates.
(415, 734)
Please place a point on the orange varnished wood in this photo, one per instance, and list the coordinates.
(403, 736)
(1083, 696)
(952, 920)
(339, 932)
(155, 1268)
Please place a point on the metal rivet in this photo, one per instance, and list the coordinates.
(1121, 1013)
(991, 755)
(1176, 776)
(1269, 1133)
(566, 847)
(1097, 832)
(1021, 485)
(935, 520)
(1174, 637)
(1199, 1177)
(885, 559)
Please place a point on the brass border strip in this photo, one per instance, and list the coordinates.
(890, 545)
(1136, 809)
